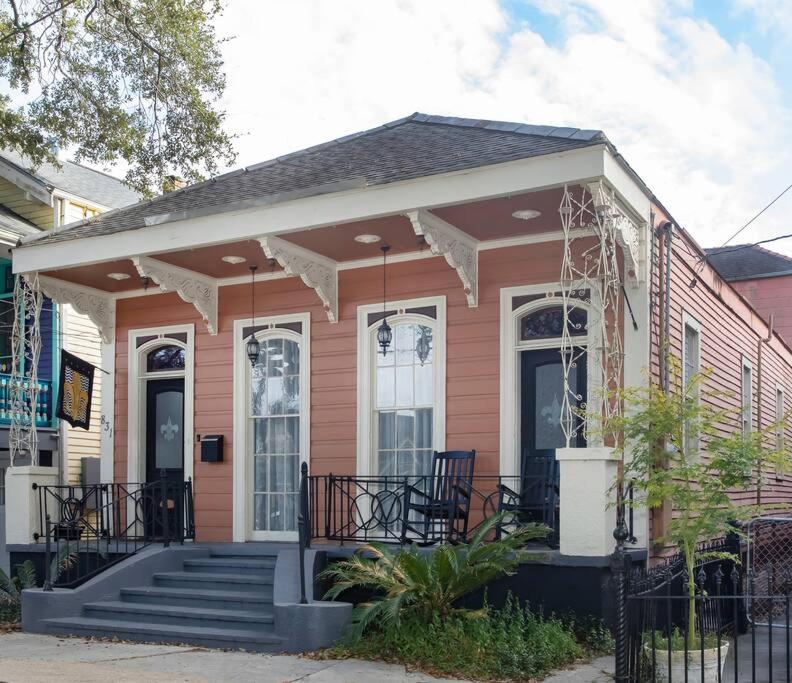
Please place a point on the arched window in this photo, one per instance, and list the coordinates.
(547, 323)
(275, 414)
(404, 399)
(165, 359)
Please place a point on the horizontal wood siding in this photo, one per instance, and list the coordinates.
(730, 330)
(81, 337)
(472, 382)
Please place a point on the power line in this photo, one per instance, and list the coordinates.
(748, 246)
(787, 189)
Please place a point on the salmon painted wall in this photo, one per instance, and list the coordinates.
(771, 296)
(472, 365)
(730, 329)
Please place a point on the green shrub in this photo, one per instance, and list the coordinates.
(508, 644)
(426, 585)
(11, 588)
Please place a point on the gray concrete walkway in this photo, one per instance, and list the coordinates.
(30, 658)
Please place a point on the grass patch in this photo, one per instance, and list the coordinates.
(512, 643)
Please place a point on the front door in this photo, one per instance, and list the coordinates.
(542, 400)
(164, 456)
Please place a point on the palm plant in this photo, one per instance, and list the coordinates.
(426, 584)
(11, 588)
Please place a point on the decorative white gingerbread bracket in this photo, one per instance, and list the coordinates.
(318, 272)
(99, 306)
(194, 288)
(625, 230)
(459, 248)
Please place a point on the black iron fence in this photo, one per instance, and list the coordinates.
(656, 641)
(88, 528)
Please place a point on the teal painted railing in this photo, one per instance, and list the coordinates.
(44, 404)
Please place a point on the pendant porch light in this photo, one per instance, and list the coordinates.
(253, 347)
(384, 333)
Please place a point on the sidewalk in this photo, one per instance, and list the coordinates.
(30, 658)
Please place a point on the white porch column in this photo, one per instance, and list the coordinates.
(588, 512)
(22, 502)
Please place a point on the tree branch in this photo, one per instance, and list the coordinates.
(21, 29)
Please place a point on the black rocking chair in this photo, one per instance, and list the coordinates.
(445, 505)
(538, 497)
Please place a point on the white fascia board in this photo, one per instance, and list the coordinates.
(524, 175)
(25, 182)
(628, 191)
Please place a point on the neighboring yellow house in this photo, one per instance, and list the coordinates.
(32, 201)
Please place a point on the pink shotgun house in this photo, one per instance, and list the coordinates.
(527, 266)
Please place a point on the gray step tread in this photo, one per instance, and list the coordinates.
(171, 632)
(116, 607)
(263, 563)
(165, 592)
(209, 577)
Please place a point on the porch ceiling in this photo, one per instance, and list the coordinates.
(484, 221)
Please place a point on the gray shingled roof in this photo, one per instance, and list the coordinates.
(747, 262)
(79, 180)
(412, 147)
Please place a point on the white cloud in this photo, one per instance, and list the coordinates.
(702, 120)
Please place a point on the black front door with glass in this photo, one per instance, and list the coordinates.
(542, 402)
(165, 429)
(163, 496)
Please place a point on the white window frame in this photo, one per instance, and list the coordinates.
(136, 395)
(242, 510)
(779, 430)
(746, 411)
(688, 321)
(510, 348)
(366, 369)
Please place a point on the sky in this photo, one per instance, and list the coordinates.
(697, 95)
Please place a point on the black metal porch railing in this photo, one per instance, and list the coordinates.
(347, 508)
(88, 528)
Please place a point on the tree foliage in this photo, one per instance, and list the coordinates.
(131, 80)
(681, 450)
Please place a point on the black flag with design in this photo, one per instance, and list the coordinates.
(75, 391)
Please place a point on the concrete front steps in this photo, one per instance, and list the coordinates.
(222, 600)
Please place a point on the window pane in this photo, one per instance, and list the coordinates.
(387, 430)
(169, 420)
(292, 436)
(260, 473)
(404, 385)
(291, 403)
(387, 464)
(275, 397)
(277, 435)
(549, 388)
(260, 436)
(277, 478)
(404, 343)
(386, 388)
(275, 357)
(165, 358)
(423, 428)
(405, 463)
(405, 429)
(424, 384)
(291, 357)
(276, 512)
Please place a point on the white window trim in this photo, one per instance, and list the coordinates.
(365, 385)
(242, 524)
(748, 410)
(689, 321)
(780, 434)
(136, 466)
(510, 348)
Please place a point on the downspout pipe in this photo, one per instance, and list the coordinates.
(668, 229)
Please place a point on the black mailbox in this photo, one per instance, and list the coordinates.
(212, 448)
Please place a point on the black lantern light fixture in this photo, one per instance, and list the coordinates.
(384, 333)
(253, 347)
